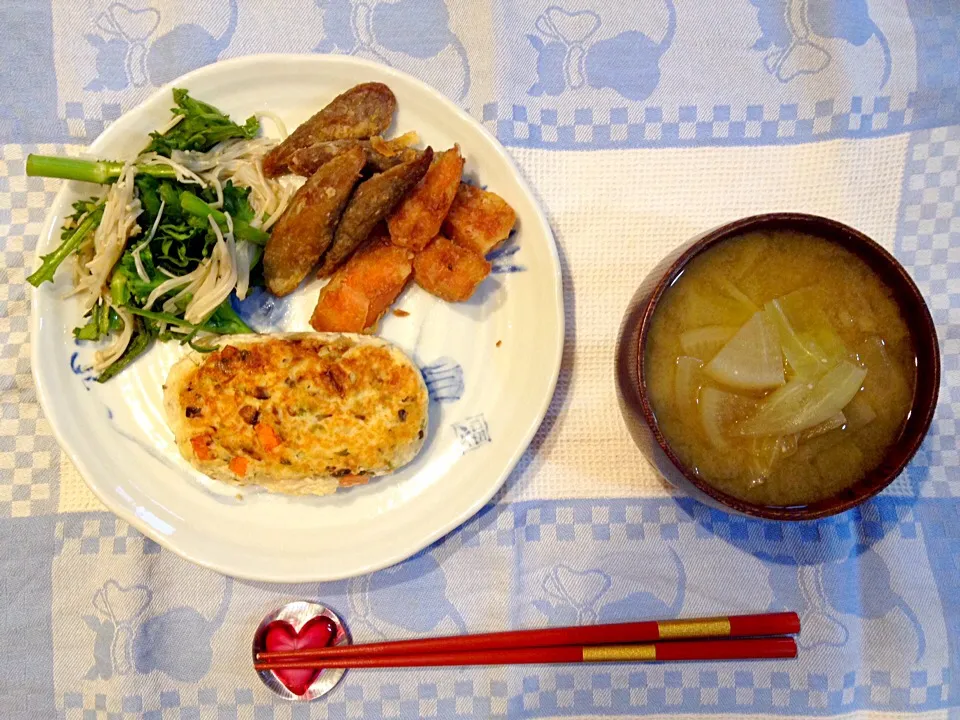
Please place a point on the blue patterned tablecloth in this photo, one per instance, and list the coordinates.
(848, 107)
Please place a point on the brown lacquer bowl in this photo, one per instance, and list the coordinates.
(632, 381)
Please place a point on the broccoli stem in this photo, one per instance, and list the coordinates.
(241, 230)
(94, 171)
(51, 262)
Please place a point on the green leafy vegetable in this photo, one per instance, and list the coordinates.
(226, 321)
(175, 234)
(202, 127)
(72, 240)
(103, 320)
(138, 344)
(241, 214)
(94, 171)
(223, 321)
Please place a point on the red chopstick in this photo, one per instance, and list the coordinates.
(734, 626)
(750, 649)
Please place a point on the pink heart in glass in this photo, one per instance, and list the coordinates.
(316, 633)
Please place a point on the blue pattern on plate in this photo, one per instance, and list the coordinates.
(472, 432)
(444, 379)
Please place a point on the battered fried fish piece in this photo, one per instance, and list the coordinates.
(418, 217)
(308, 160)
(364, 288)
(478, 219)
(359, 113)
(370, 203)
(449, 271)
(305, 230)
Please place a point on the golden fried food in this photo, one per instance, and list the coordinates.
(449, 271)
(306, 229)
(381, 155)
(418, 217)
(363, 289)
(298, 413)
(306, 161)
(370, 203)
(478, 219)
(359, 113)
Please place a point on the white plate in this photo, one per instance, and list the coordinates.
(118, 438)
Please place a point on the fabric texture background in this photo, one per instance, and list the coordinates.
(638, 127)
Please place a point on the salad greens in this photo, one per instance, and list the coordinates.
(173, 237)
(79, 226)
(202, 127)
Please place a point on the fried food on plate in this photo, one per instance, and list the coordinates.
(297, 413)
(381, 154)
(449, 271)
(305, 230)
(370, 203)
(306, 161)
(478, 219)
(418, 217)
(359, 113)
(364, 288)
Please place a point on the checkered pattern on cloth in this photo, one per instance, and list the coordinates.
(626, 126)
(460, 698)
(29, 455)
(929, 246)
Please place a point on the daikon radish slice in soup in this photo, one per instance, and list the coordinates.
(780, 368)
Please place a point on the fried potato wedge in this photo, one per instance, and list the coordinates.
(359, 113)
(306, 229)
(449, 271)
(370, 203)
(418, 217)
(363, 289)
(478, 219)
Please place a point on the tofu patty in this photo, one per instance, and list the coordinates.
(297, 413)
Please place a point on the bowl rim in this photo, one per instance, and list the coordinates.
(923, 332)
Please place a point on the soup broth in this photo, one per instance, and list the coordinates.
(780, 368)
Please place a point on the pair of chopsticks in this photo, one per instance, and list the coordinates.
(737, 637)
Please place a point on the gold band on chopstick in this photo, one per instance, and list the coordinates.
(703, 627)
(614, 653)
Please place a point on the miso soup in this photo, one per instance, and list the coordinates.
(780, 368)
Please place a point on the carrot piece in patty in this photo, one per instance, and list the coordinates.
(201, 447)
(268, 437)
(239, 465)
